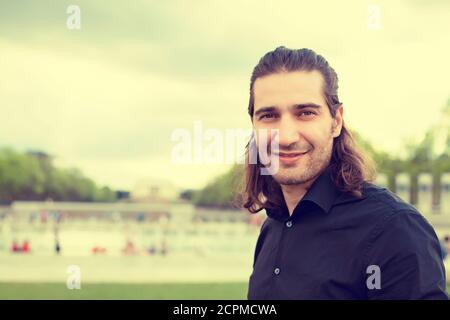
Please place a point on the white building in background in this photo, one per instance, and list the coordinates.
(154, 189)
(100, 210)
(425, 193)
(445, 194)
(179, 211)
(403, 186)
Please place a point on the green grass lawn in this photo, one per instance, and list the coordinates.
(226, 291)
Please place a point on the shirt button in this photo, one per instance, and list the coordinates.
(289, 224)
(276, 271)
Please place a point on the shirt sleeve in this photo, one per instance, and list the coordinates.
(405, 253)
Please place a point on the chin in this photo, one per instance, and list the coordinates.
(287, 179)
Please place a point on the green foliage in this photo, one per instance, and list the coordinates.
(32, 176)
(222, 191)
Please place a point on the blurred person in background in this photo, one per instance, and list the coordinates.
(26, 246)
(445, 247)
(15, 247)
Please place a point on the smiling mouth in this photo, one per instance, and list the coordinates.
(290, 154)
(282, 154)
(289, 157)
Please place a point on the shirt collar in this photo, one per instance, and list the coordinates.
(323, 193)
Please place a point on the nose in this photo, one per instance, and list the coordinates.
(289, 132)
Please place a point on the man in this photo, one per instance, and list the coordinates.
(330, 233)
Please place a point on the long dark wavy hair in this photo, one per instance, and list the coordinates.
(350, 167)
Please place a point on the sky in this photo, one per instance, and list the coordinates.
(107, 97)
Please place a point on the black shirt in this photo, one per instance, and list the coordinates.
(337, 246)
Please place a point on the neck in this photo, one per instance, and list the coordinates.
(294, 193)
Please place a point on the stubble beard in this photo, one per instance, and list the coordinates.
(305, 169)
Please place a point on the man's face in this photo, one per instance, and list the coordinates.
(294, 103)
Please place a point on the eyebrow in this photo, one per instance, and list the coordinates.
(298, 106)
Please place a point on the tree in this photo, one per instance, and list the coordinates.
(32, 176)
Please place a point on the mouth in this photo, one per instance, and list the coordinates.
(291, 157)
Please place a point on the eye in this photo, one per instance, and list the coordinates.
(267, 116)
(307, 113)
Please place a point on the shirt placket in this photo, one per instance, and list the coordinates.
(276, 268)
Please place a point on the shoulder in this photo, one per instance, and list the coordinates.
(386, 199)
(396, 210)
(400, 224)
(387, 216)
(379, 205)
(374, 198)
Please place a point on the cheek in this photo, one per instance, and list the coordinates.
(312, 135)
(262, 138)
(317, 137)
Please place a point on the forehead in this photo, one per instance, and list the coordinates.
(287, 88)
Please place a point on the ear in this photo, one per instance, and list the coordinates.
(337, 121)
